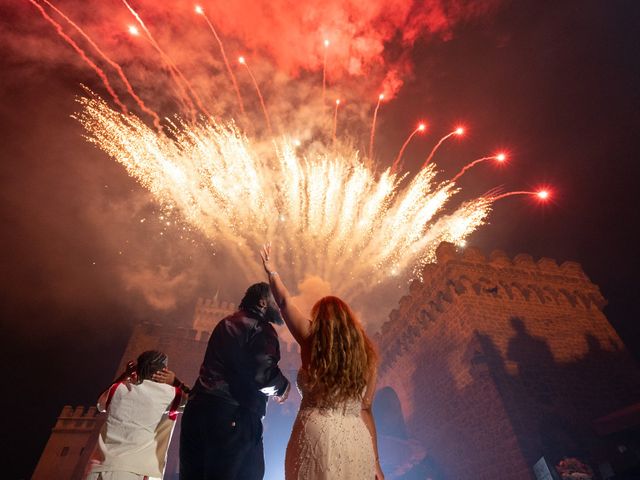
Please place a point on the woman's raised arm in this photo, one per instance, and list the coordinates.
(297, 323)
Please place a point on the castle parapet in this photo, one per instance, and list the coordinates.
(468, 273)
(76, 419)
(447, 252)
(208, 313)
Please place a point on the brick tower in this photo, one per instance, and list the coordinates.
(498, 362)
(70, 444)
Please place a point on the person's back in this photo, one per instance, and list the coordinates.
(221, 434)
(138, 425)
(334, 435)
(241, 360)
(141, 414)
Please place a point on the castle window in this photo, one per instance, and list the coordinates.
(64, 452)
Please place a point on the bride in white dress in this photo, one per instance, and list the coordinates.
(334, 435)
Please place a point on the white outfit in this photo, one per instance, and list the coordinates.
(118, 476)
(136, 435)
(328, 443)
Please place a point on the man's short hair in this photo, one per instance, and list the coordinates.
(254, 294)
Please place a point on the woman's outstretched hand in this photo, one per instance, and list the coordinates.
(265, 252)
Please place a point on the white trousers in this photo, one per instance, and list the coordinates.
(118, 476)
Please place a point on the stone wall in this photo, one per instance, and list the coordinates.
(499, 361)
(70, 444)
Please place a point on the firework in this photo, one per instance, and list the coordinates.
(501, 157)
(541, 194)
(396, 163)
(82, 54)
(373, 124)
(458, 131)
(324, 70)
(335, 121)
(200, 11)
(243, 61)
(175, 72)
(116, 66)
(332, 215)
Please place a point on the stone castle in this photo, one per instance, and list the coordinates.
(486, 366)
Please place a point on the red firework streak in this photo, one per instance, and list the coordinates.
(173, 68)
(458, 131)
(125, 80)
(242, 61)
(541, 194)
(82, 54)
(420, 128)
(501, 157)
(373, 124)
(200, 11)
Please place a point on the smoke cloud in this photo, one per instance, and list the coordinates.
(369, 52)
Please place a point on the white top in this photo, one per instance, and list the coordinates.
(138, 429)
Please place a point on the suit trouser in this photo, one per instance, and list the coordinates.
(220, 441)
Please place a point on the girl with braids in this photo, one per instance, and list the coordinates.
(141, 406)
(334, 435)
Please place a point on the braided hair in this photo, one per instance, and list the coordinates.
(150, 362)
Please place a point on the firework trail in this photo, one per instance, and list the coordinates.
(501, 157)
(324, 71)
(332, 215)
(335, 121)
(200, 11)
(541, 194)
(123, 77)
(373, 125)
(82, 55)
(242, 61)
(175, 72)
(457, 131)
(396, 163)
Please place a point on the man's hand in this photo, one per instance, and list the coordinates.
(282, 398)
(164, 376)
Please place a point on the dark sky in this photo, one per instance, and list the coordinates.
(556, 83)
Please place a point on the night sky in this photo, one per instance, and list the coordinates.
(556, 83)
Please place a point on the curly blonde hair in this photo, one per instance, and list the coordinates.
(342, 355)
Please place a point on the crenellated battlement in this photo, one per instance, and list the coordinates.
(468, 277)
(447, 252)
(522, 277)
(77, 420)
(209, 305)
(208, 312)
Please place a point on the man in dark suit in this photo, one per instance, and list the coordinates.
(221, 435)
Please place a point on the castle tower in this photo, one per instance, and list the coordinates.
(498, 362)
(70, 445)
(208, 313)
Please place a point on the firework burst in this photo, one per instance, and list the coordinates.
(331, 214)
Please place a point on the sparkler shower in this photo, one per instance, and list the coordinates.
(330, 211)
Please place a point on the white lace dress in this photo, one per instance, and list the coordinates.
(328, 443)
